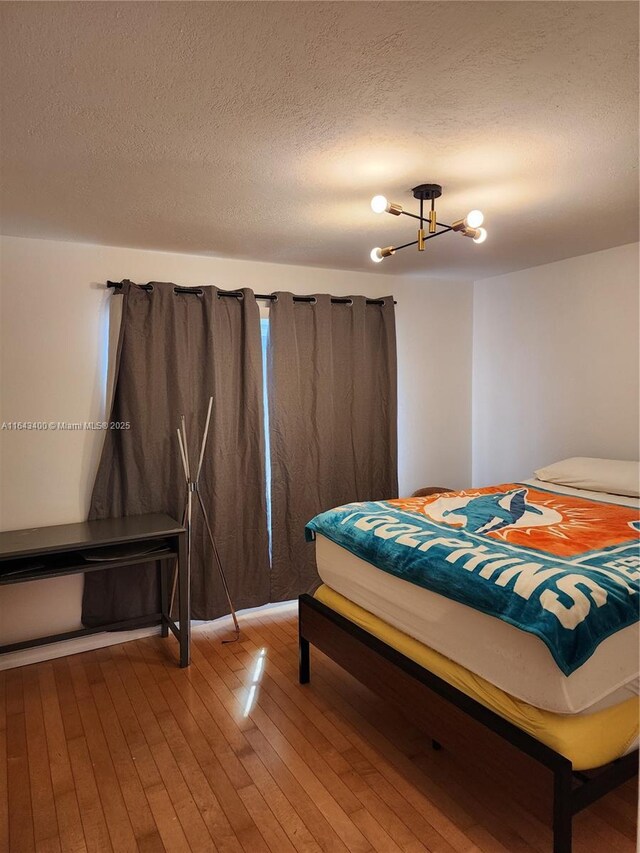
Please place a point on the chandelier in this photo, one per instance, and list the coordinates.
(468, 227)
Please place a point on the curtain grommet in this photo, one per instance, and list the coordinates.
(313, 301)
(274, 297)
(349, 302)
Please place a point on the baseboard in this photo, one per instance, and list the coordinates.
(24, 657)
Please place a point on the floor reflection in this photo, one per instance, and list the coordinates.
(256, 676)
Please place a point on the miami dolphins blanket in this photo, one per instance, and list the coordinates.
(562, 567)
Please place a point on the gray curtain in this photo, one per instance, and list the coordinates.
(175, 351)
(333, 420)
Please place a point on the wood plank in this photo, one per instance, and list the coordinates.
(167, 821)
(263, 817)
(21, 832)
(4, 787)
(94, 821)
(45, 821)
(62, 779)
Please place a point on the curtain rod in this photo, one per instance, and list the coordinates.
(270, 297)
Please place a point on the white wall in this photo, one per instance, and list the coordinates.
(54, 345)
(434, 327)
(555, 365)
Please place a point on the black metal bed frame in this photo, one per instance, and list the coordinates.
(321, 626)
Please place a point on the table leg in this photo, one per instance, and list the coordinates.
(303, 661)
(184, 601)
(164, 596)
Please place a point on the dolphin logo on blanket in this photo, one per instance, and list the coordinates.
(489, 513)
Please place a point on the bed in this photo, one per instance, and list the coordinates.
(501, 614)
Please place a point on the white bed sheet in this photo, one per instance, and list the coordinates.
(515, 661)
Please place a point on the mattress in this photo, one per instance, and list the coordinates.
(515, 661)
(588, 740)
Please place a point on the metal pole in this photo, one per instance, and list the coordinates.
(174, 581)
(204, 439)
(185, 464)
(220, 569)
(186, 448)
(185, 468)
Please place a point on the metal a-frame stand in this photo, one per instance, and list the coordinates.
(193, 488)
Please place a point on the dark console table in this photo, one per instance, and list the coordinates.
(91, 546)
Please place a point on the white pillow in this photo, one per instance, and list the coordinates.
(597, 475)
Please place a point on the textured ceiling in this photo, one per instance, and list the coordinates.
(261, 130)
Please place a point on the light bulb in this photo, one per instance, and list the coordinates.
(474, 218)
(376, 255)
(379, 204)
(482, 236)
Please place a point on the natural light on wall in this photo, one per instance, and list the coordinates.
(264, 331)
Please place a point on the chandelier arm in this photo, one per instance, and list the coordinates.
(438, 233)
(415, 216)
(429, 237)
(404, 246)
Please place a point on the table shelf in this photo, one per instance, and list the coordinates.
(60, 566)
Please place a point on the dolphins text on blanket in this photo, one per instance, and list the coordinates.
(526, 575)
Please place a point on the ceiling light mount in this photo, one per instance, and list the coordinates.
(467, 227)
(426, 192)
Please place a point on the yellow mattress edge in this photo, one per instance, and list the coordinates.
(587, 740)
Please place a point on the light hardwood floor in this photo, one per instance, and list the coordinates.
(119, 750)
